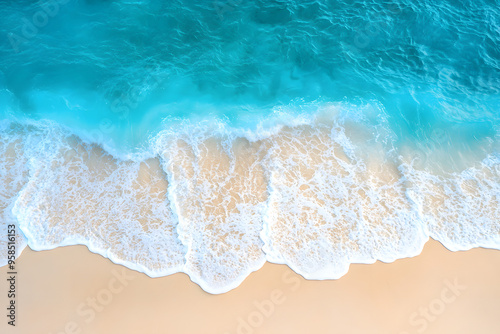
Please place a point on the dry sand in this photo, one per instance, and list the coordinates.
(408, 296)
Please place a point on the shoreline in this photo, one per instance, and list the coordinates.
(316, 198)
(70, 286)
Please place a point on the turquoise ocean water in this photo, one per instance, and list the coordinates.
(208, 137)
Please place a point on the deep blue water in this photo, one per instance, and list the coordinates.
(124, 66)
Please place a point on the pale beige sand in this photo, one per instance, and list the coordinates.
(378, 298)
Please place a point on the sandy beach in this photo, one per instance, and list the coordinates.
(71, 290)
(250, 167)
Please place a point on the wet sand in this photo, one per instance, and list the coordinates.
(71, 290)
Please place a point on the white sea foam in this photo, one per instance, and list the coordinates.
(218, 191)
(13, 176)
(332, 203)
(79, 194)
(317, 193)
(461, 209)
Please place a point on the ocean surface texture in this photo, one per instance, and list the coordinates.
(208, 137)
